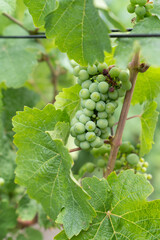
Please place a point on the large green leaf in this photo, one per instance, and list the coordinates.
(69, 100)
(43, 167)
(149, 46)
(149, 120)
(156, 7)
(7, 218)
(79, 31)
(39, 9)
(7, 6)
(122, 209)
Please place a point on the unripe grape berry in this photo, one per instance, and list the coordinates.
(102, 123)
(115, 104)
(85, 145)
(110, 108)
(97, 132)
(77, 142)
(145, 164)
(124, 76)
(83, 75)
(104, 97)
(102, 66)
(95, 96)
(79, 128)
(78, 114)
(83, 102)
(105, 135)
(125, 147)
(103, 87)
(90, 167)
(100, 106)
(121, 92)
(148, 6)
(141, 160)
(131, 8)
(149, 176)
(83, 118)
(92, 70)
(74, 121)
(111, 121)
(134, 2)
(140, 11)
(90, 136)
(86, 84)
(143, 169)
(2, 182)
(87, 112)
(90, 126)
(90, 104)
(81, 137)
(73, 134)
(132, 159)
(101, 163)
(102, 115)
(73, 63)
(100, 78)
(113, 95)
(114, 72)
(118, 164)
(127, 85)
(141, 2)
(97, 143)
(93, 87)
(84, 93)
(76, 71)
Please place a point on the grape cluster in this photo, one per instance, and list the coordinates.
(141, 8)
(101, 88)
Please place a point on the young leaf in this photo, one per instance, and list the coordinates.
(7, 6)
(79, 31)
(122, 209)
(40, 9)
(69, 100)
(147, 86)
(149, 120)
(125, 48)
(43, 167)
(7, 218)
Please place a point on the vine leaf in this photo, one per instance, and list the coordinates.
(149, 120)
(125, 49)
(69, 100)
(43, 167)
(39, 9)
(156, 7)
(7, 6)
(122, 209)
(7, 218)
(150, 83)
(79, 31)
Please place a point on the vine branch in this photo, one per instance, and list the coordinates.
(117, 140)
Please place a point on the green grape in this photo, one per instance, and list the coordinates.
(86, 84)
(111, 121)
(77, 142)
(141, 160)
(102, 115)
(140, 11)
(134, 2)
(90, 136)
(148, 14)
(83, 75)
(95, 96)
(79, 81)
(98, 132)
(81, 137)
(105, 135)
(78, 114)
(73, 134)
(102, 123)
(131, 8)
(74, 121)
(138, 166)
(83, 102)
(90, 104)
(132, 159)
(83, 118)
(124, 76)
(143, 169)
(127, 85)
(113, 95)
(93, 87)
(141, 2)
(79, 128)
(118, 164)
(104, 97)
(100, 106)
(84, 93)
(97, 143)
(131, 148)
(121, 92)
(90, 126)
(125, 147)
(103, 87)
(87, 112)
(149, 176)
(2, 182)
(115, 104)
(122, 159)
(90, 167)
(92, 70)
(110, 108)
(148, 6)
(102, 66)
(82, 171)
(101, 163)
(84, 145)
(101, 78)
(73, 63)
(114, 72)
(145, 164)
(76, 71)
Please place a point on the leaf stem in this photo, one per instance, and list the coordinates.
(135, 116)
(117, 140)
